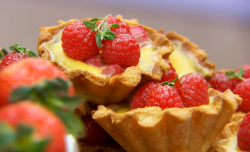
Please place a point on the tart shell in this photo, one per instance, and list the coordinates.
(199, 54)
(169, 130)
(106, 90)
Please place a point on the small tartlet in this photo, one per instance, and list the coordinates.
(227, 140)
(87, 80)
(174, 129)
(193, 59)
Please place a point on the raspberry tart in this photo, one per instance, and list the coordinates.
(103, 76)
(153, 128)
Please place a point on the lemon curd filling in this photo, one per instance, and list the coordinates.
(57, 54)
(184, 62)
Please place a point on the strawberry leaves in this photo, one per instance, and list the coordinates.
(18, 48)
(3, 53)
(103, 31)
(20, 139)
(53, 94)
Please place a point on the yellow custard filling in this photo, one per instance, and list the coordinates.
(230, 144)
(185, 62)
(54, 46)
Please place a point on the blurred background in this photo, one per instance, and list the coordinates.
(220, 27)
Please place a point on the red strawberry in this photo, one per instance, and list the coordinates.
(96, 135)
(156, 94)
(243, 136)
(45, 124)
(193, 89)
(113, 70)
(220, 82)
(25, 73)
(246, 69)
(78, 41)
(18, 53)
(123, 50)
(243, 90)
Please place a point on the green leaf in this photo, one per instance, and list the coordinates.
(53, 94)
(18, 48)
(98, 40)
(240, 72)
(32, 54)
(89, 24)
(95, 20)
(115, 25)
(104, 27)
(20, 139)
(109, 35)
(3, 53)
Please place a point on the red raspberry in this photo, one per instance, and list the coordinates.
(193, 89)
(155, 94)
(122, 29)
(243, 136)
(123, 50)
(96, 135)
(246, 68)
(170, 75)
(113, 70)
(78, 41)
(243, 90)
(220, 81)
(12, 58)
(140, 98)
(246, 74)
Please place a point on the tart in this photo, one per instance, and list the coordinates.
(173, 129)
(193, 59)
(227, 140)
(88, 80)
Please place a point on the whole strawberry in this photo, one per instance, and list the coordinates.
(123, 50)
(18, 53)
(78, 41)
(193, 89)
(220, 81)
(243, 136)
(156, 94)
(243, 90)
(96, 135)
(25, 73)
(35, 128)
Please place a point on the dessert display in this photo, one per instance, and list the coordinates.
(114, 85)
(91, 74)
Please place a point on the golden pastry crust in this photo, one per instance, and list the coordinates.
(103, 89)
(199, 54)
(174, 129)
(227, 140)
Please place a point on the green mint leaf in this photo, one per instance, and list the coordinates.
(89, 24)
(109, 35)
(115, 25)
(95, 20)
(104, 27)
(240, 72)
(98, 39)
